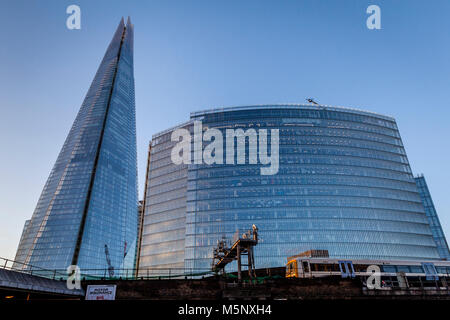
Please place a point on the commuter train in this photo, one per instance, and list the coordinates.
(314, 267)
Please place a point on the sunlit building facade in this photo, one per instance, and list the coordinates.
(87, 214)
(433, 219)
(164, 222)
(343, 184)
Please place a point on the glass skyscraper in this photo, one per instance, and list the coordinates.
(433, 219)
(344, 185)
(164, 223)
(87, 214)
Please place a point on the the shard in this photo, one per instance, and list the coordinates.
(87, 213)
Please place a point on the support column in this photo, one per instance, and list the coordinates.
(238, 249)
(250, 262)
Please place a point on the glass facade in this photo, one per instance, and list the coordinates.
(344, 185)
(433, 219)
(87, 213)
(164, 228)
(24, 238)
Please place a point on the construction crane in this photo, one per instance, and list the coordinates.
(242, 245)
(108, 260)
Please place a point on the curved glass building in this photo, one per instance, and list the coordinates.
(343, 184)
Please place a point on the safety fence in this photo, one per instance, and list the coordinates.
(105, 273)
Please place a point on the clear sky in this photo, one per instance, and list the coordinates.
(193, 55)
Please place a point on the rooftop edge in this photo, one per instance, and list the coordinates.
(291, 106)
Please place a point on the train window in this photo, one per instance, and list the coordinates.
(320, 267)
(291, 268)
(441, 269)
(416, 269)
(361, 267)
(327, 267)
(389, 269)
(403, 269)
(305, 266)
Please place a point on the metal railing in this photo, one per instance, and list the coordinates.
(105, 273)
(17, 266)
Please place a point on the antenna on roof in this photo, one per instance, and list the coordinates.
(311, 100)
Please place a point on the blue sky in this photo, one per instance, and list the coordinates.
(193, 55)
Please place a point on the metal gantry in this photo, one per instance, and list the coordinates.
(242, 246)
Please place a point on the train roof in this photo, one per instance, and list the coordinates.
(375, 262)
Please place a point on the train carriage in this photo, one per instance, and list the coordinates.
(391, 272)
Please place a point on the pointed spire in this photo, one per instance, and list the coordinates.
(114, 45)
(129, 34)
(129, 24)
(121, 24)
(119, 30)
